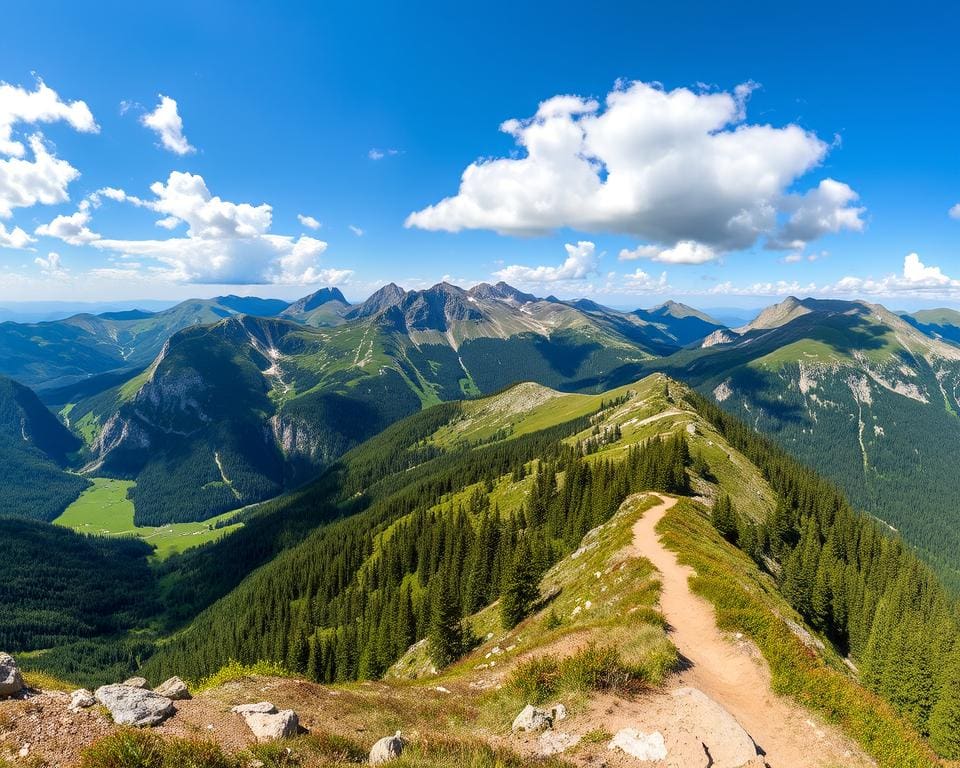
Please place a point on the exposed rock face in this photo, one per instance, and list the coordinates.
(81, 699)
(134, 706)
(643, 746)
(386, 749)
(532, 719)
(11, 681)
(174, 689)
(273, 726)
(137, 682)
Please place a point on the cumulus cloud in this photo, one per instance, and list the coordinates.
(308, 221)
(684, 252)
(669, 167)
(51, 266)
(954, 212)
(44, 179)
(640, 282)
(42, 105)
(581, 262)
(915, 279)
(166, 122)
(71, 229)
(14, 238)
(225, 242)
(25, 182)
(826, 209)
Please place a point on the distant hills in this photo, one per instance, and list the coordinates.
(215, 404)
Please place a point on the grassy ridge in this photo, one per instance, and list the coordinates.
(747, 601)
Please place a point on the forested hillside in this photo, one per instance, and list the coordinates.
(479, 508)
(33, 450)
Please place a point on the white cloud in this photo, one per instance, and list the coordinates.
(954, 212)
(166, 122)
(670, 167)
(581, 262)
(14, 238)
(379, 154)
(826, 209)
(51, 266)
(71, 229)
(168, 222)
(225, 242)
(308, 221)
(24, 183)
(684, 252)
(640, 282)
(916, 279)
(356, 230)
(42, 105)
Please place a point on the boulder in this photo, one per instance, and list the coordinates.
(695, 713)
(137, 682)
(261, 707)
(386, 749)
(532, 719)
(270, 726)
(11, 681)
(558, 712)
(643, 746)
(134, 706)
(81, 699)
(174, 688)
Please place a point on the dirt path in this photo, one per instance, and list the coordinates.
(733, 673)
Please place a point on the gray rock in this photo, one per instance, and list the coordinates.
(137, 682)
(174, 688)
(272, 726)
(643, 746)
(134, 706)
(386, 749)
(555, 742)
(532, 719)
(696, 713)
(11, 681)
(261, 707)
(558, 712)
(81, 699)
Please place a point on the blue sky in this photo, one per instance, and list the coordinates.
(729, 155)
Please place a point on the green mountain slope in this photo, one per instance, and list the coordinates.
(33, 450)
(940, 323)
(61, 352)
(230, 414)
(325, 307)
(855, 391)
(684, 323)
(462, 504)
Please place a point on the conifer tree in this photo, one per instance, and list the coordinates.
(520, 588)
(445, 635)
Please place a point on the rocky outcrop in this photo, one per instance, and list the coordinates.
(386, 749)
(174, 689)
(137, 682)
(11, 681)
(81, 699)
(266, 723)
(643, 746)
(532, 719)
(134, 706)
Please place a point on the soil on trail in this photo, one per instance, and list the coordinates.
(732, 671)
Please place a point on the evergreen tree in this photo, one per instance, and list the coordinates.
(445, 635)
(520, 589)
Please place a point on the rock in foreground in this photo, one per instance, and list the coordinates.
(134, 706)
(11, 681)
(81, 699)
(386, 749)
(532, 719)
(273, 726)
(174, 689)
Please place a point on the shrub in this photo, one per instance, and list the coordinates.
(535, 680)
(594, 668)
(131, 748)
(234, 670)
